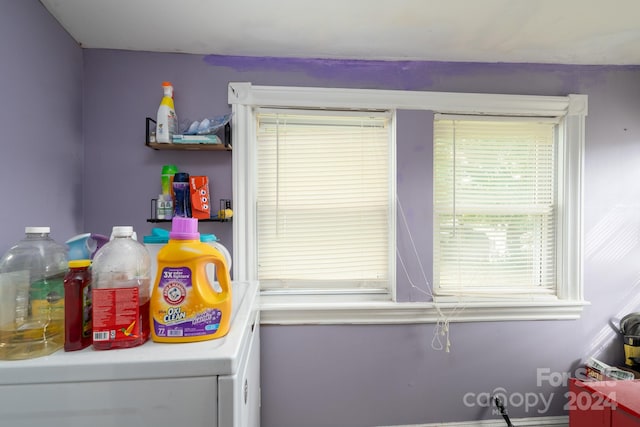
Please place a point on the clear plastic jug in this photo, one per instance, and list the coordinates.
(120, 292)
(32, 296)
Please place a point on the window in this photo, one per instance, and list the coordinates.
(539, 234)
(323, 200)
(495, 207)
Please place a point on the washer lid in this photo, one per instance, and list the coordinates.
(151, 360)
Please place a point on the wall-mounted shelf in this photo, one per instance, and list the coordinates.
(225, 204)
(155, 220)
(224, 135)
(188, 147)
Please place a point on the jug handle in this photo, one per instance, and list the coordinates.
(222, 273)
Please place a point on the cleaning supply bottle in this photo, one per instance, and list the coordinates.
(120, 292)
(32, 296)
(164, 206)
(166, 179)
(77, 305)
(182, 195)
(166, 120)
(185, 305)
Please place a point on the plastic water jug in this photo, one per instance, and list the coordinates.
(120, 292)
(32, 296)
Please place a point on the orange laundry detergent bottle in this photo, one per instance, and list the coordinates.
(185, 305)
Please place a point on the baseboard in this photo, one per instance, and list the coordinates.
(562, 421)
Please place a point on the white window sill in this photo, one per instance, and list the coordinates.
(285, 310)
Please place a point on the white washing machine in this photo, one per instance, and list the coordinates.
(213, 383)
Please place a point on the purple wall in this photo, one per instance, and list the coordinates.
(389, 374)
(123, 175)
(41, 150)
(346, 375)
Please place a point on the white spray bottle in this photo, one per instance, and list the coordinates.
(167, 120)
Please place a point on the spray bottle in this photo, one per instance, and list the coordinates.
(167, 120)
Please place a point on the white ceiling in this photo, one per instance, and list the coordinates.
(538, 31)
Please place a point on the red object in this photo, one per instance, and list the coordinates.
(120, 319)
(200, 197)
(77, 306)
(604, 403)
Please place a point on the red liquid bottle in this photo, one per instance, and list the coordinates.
(77, 306)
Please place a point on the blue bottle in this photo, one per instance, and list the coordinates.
(181, 191)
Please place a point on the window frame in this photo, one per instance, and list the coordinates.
(283, 308)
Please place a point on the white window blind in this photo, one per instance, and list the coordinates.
(323, 199)
(495, 208)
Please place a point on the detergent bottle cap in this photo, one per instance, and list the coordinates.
(184, 228)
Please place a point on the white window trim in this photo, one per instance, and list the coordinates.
(280, 308)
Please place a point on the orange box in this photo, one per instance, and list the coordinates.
(200, 197)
